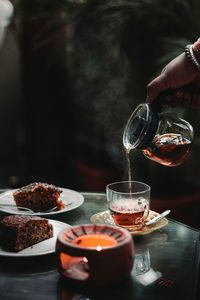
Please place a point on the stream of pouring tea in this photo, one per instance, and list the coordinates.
(127, 153)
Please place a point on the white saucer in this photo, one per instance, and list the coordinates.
(104, 217)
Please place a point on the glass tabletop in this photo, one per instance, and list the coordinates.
(166, 265)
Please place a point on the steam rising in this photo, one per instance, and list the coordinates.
(112, 46)
(102, 74)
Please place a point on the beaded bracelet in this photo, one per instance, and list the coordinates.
(196, 49)
(190, 55)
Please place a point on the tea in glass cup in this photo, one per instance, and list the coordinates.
(128, 203)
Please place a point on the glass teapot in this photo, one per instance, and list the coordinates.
(162, 137)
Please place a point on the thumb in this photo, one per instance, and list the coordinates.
(156, 86)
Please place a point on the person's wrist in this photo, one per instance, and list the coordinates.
(192, 56)
(196, 49)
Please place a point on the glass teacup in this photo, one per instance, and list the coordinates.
(128, 202)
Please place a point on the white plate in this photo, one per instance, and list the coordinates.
(42, 248)
(104, 217)
(70, 198)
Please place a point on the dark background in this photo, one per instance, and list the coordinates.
(71, 74)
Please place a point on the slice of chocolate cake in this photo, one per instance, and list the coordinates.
(39, 196)
(18, 232)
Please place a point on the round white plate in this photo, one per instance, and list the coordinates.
(104, 217)
(70, 198)
(42, 248)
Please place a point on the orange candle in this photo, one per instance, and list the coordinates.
(97, 241)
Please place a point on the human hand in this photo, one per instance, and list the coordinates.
(179, 81)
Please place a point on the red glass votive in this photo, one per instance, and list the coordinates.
(94, 254)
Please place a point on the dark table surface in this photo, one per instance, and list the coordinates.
(171, 259)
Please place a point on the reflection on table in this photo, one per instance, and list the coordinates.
(166, 266)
